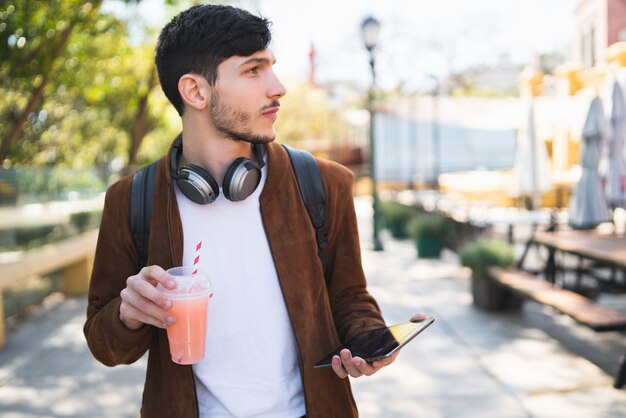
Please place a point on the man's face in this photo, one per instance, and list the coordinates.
(244, 100)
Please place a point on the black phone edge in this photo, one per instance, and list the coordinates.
(429, 321)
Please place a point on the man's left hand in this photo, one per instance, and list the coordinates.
(345, 365)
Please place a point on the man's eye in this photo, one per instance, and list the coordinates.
(253, 70)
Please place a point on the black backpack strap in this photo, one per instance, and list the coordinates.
(311, 188)
(141, 197)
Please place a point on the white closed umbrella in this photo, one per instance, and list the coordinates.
(587, 207)
(531, 168)
(616, 171)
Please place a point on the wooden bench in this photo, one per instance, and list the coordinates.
(74, 256)
(580, 308)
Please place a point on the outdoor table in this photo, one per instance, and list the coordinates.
(606, 250)
(515, 218)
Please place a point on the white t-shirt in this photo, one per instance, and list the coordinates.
(251, 366)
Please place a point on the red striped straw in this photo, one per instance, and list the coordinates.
(196, 260)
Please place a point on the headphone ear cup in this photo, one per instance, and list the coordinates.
(241, 179)
(197, 184)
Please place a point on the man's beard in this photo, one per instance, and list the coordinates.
(232, 123)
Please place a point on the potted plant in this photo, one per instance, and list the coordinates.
(395, 217)
(479, 256)
(430, 231)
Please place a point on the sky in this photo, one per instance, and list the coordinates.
(418, 39)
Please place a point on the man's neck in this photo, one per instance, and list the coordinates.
(205, 147)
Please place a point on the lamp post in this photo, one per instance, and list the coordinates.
(413, 145)
(369, 32)
(436, 134)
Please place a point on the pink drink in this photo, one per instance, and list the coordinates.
(186, 336)
(190, 301)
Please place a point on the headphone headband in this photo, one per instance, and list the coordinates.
(240, 181)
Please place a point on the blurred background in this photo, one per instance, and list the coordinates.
(450, 101)
(482, 101)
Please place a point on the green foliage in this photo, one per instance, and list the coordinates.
(8, 186)
(481, 254)
(431, 232)
(83, 220)
(55, 184)
(34, 36)
(89, 104)
(429, 224)
(35, 235)
(306, 114)
(93, 81)
(31, 31)
(395, 217)
(72, 78)
(27, 237)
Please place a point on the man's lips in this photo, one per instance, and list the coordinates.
(271, 112)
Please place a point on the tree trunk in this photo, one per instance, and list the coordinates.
(140, 124)
(36, 99)
(17, 126)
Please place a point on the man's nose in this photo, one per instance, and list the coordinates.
(277, 89)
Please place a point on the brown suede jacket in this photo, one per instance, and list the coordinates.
(321, 316)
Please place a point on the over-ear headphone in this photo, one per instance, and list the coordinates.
(240, 181)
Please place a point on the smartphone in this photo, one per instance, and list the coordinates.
(379, 343)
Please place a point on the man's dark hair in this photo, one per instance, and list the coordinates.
(200, 38)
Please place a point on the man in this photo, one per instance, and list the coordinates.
(273, 314)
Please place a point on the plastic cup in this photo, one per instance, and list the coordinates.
(190, 301)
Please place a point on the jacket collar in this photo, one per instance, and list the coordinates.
(277, 170)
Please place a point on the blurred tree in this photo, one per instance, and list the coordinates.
(33, 35)
(306, 114)
(48, 49)
(79, 90)
(90, 115)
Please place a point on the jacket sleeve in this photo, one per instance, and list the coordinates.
(354, 309)
(109, 340)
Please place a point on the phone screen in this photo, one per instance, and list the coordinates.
(379, 343)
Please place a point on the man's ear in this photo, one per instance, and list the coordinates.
(195, 91)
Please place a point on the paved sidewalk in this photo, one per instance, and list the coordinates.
(471, 363)
(46, 370)
(468, 364)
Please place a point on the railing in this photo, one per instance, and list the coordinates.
(73, 256)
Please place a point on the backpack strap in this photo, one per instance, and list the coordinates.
(311, 188)
(141, 197)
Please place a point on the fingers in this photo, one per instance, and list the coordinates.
(155, 275)
(142, 303)
(345, 365)
(379, 364)
(338, 368)
(418, 317)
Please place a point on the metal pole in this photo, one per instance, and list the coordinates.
(436, 146)
(530, 135)
(413, 149)
(377, 244)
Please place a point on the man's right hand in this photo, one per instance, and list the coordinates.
(142, 303)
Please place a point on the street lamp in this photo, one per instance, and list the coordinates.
(369, 32)
(436, 134)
